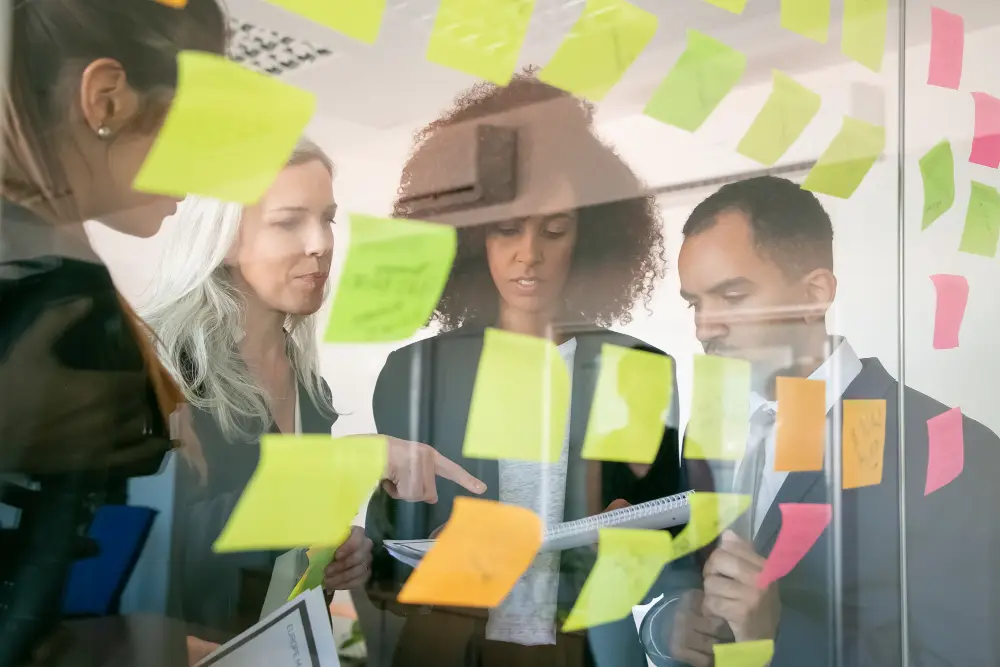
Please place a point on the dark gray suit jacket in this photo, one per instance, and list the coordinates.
(851, 578)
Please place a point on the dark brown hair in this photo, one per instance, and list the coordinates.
(619, 248)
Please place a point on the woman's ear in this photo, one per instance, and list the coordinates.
(106, 99)
(820, 290)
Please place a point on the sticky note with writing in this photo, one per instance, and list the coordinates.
(982, 221)
(946, 449)
(800, 432)
(848, 158)
(734, 6)
(319, 558)
(393, 276)
(359, 19)
(809, 18)
(937, 169)
(306, 490)
(524, 376)
(863, 442)
(228, 133)
(720, 407)
(952, 296)
(703, 75)
(480, 37)
(986, 132)
(801, 526)
(606, 40)
(862, 34)
(784, 116)
(711, 513)
(947, 49)
(744, 654)
(480, 554)
(643, 381)
(628, 562)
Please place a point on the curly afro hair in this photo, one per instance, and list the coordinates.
(619, 249)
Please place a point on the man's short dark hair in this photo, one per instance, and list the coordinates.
(788, 224)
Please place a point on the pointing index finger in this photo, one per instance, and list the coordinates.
(448, 469)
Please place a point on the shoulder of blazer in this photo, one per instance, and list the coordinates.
(621, 340)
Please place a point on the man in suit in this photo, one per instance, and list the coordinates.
(756, 266)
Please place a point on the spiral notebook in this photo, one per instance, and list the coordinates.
(654, 515)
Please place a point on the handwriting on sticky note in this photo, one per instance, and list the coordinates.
(711, 513)
(606, 40)
(359, 19)
(982, 221)
(480, 37)
(847, 160)
(393, 276)
(809, 18)
(319, 558)
(734, 6)
(702, 77)
(719, 422)
(228, 133)
(306, 490)
(800, 432)
(628, 562)
(744, 654)
(801, 526)
(937, 169)
(863, 31)
(643, 382)
(946, 449)
(947, 49)
(952, 296)
(863, 442)
(524, 376)
(478, 557)
(986, 135)
(784, 116)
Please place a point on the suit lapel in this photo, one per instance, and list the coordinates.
(580, 473)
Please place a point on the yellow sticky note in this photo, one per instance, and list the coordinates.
(628, 563)
(744, 654)
(306, 490)
(863, 31)
(800, 432)
(480, 37)
(863, 442)
(711, 513)
(809, 18)
(607, 38)
(703, 75)
(393, 276)
(784, 116)
(483, 550)
(720, 409)
(523, 376)
(228, 133)
(360, 19)
(847, 160)
(313, 576)
(631, 399)
(734, 6)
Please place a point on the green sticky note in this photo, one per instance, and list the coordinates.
(523, 376)
(393, 276)
(788, 110)
(306, 490)
(845, 162)
(862, 35)
(228, 133)
(809, 18)
(756, 653)
(720, 409)
(982, 221)
(480, 37)
(698, 82)
(734, 6)
(313, 576)
(360, 19)
(711, 513)
(631, 400)
(937, 168)
(607, 38)
(628, 563)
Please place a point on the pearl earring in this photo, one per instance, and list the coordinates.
(103, 132)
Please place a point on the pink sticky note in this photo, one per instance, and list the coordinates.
(947, 48)
(952, 295)
(801, 526)
(946, 449)
(986, 142)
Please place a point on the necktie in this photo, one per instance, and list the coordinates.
(751, 470)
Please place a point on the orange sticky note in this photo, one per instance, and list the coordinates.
(483, 550)
(863, 442)
(176, 4)
(801, 424)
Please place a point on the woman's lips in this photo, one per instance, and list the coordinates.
(314, 279)
(527, 286)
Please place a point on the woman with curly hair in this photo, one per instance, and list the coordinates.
(563, 261)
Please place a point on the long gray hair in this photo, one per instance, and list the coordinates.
(197, 314)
